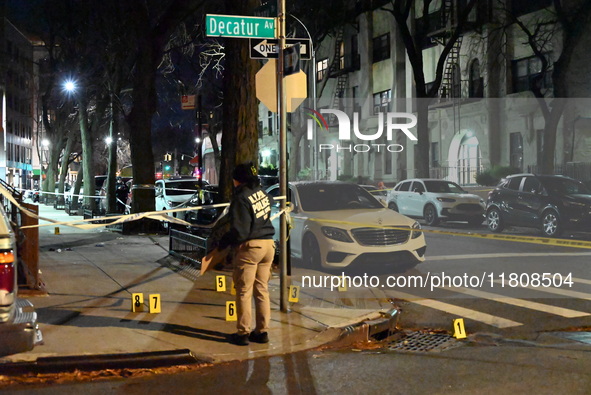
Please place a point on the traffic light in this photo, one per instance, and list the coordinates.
(166, 169)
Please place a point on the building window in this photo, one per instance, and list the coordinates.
(525, 70)
(321, 68)
(381, 47)
(519, 8)
(381, 101)
(516, 150)
(456, 82)
(476, 82)
(540, 148)
(342, 55)
(435, 154)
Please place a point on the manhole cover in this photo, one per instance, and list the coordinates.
(423, 342)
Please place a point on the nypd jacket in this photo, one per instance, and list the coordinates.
(249, 217)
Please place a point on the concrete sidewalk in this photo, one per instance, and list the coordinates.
(90, 276)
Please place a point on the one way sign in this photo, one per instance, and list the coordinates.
(269, 48)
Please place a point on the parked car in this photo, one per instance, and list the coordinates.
(103, 195)
(202, 216)
(338, 225)
(174, 193)
(380, 194)
(552, 204)
(18, 328)
(436, 200)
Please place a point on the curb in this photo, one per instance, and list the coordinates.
(372, 329)
(143, 360)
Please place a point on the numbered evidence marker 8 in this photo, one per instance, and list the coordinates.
(459, 330)
(154, 303)
(220, 283)
(137, 302)
(294, 293)
(231, 311)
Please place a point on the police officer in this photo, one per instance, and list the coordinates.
(251, 236)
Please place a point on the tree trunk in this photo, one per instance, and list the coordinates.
(87, 158)
(240, 104)
(421, 159)
(111, 203)
(64, 168)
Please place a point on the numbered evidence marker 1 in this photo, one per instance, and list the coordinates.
(220, 283)
(294, 293)
(231, 311)
(342, 285)
(137, 302)
(459, 330)
(154, 303)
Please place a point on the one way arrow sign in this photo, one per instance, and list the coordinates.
(266, 49)
(269, 48)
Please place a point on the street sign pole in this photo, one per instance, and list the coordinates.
(283, 279)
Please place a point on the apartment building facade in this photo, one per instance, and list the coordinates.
(484, 113)
(17, 102)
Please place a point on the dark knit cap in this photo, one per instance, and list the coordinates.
(245, 173)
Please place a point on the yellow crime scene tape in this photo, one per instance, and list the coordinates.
(162, 216)
(118, 219)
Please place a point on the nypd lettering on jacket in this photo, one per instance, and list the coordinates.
(260, 204)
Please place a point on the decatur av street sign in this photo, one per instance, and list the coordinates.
(239, 26)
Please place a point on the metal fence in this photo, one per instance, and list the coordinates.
(187, 246)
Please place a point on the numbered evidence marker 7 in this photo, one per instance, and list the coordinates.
(294, 293)
(220, 283)
(459, 330)
(137, 302)
(154, 303)
(231, 311)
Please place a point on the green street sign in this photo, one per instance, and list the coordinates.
(239, 26)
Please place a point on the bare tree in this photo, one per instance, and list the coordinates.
(401, 11)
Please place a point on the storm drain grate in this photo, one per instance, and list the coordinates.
(423, 342)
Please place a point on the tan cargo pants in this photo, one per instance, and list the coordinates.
(252, 271)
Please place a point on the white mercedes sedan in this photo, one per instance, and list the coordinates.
(337, 225)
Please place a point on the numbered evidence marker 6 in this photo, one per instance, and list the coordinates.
(154, 303)
(459, 330)
(220, 283)
(231, 311)
(137, 302)
(294, 293)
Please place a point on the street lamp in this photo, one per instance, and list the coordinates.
(69, 86)
(108, 140)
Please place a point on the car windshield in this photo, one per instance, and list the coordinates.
(564, 186)
(443, 187)
(327, 197)
(182, 187)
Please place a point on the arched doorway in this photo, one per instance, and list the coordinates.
(464, 158)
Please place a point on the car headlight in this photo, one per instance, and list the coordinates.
(336, 234)
(415, 232)
(170, 203)
(446, 200)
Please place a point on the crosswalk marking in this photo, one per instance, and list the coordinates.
(568, 313)
(581, 281)
(459, 311)
(559, 291)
